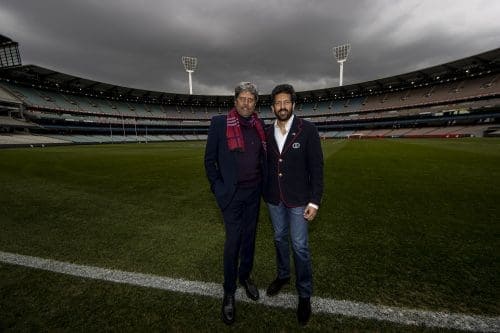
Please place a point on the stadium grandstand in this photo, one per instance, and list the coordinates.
(39, 106)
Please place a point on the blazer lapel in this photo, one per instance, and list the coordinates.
(295, 131)
(271, 140)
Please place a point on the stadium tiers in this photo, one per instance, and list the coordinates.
(43, 78)
(464, 92)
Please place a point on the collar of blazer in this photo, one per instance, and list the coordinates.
(292, 136)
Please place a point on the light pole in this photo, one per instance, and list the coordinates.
(341, 52)
(190, 65)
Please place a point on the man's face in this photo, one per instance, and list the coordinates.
(245, 103)
(283, 106)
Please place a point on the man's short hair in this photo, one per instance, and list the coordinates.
(246, 86)
(284, 88)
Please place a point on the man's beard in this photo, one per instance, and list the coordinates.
(284, 117)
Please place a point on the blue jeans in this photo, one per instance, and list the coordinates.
(290, 221)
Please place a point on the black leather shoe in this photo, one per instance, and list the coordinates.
(250, 289)
(228, 309)
(275, 286)
(304, 310)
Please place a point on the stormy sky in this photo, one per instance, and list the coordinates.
(139, 43)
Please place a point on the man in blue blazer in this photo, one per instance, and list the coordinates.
(293, 193)
(234, 164)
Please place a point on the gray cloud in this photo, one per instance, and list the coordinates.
(140, 43)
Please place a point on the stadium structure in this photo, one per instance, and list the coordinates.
(40, 106)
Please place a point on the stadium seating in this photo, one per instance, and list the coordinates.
(468, 105)
(8, 139)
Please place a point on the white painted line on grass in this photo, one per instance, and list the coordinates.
(284, 300)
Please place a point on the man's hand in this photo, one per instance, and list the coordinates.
(310, 213)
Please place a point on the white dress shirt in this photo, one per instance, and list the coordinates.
(280, 137)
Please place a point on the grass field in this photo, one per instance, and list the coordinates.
(409, 223)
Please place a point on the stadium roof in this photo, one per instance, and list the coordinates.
(35, 76)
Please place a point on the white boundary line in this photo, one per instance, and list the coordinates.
(284, 300)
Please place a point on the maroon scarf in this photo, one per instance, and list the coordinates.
(235, 136)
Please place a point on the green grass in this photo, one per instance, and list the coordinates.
(33, 301)
(412, 223)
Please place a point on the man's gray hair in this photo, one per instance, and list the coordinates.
(246, 86)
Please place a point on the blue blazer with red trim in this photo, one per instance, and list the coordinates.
(220, 162)
(295, 177)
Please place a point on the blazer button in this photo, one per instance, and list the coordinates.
(280, 160)
(280, 174)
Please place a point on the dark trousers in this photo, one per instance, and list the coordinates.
(240, 221)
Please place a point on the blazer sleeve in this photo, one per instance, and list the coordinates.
(315, 166)
(211, 155)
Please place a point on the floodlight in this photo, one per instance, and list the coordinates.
(9, 53)
(190, 65)
(341, 52)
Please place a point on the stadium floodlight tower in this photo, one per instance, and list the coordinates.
(341, 52)
(190, 65)
(9, 53)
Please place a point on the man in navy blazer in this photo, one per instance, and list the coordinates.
(234, 164)
(293, 193)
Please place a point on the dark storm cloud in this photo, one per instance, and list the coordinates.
(140, 43)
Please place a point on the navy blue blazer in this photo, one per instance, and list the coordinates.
(220, 162)
(295, 177)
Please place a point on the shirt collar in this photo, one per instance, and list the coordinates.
(288, 123)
